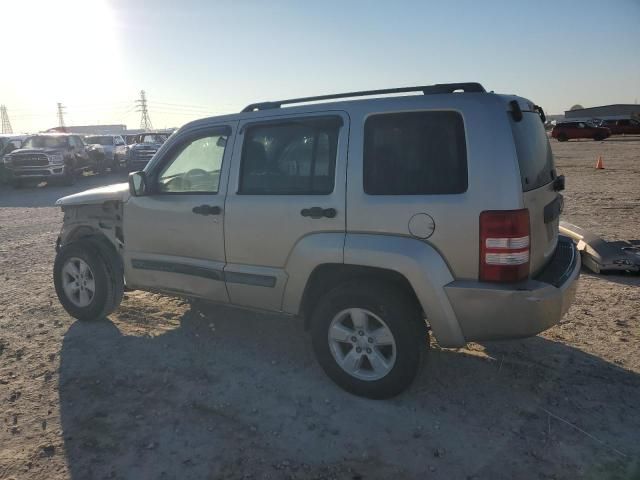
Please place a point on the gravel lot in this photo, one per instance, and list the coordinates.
(162, 391)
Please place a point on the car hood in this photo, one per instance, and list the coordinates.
(116, 192)
(136, 146)
(37, 150)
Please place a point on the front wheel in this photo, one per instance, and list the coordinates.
(369, 338)
(598, 138)
(562, 137)
(88, 279)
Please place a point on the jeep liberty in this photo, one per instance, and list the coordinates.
(375, 217)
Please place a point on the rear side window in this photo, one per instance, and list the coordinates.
(534, 153)
(415, 153)
(290, 158)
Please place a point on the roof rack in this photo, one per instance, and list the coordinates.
(425, 89)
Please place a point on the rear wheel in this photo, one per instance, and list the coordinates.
(369, 338)
(88, 279)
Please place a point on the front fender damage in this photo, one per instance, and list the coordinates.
(103, 220)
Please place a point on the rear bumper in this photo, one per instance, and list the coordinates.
(488, 311)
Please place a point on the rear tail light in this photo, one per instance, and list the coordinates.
(504, 245)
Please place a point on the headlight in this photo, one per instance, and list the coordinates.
(56, 159)
(7, 160)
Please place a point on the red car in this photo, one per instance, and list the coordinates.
(625, 126)
(568, 130)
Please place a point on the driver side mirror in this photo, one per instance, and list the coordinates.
(138, 184)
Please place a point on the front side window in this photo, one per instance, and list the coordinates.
(415, 153)
(195, 168)
(296, 157)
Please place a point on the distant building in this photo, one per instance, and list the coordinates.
(628, 110)
(92, 129)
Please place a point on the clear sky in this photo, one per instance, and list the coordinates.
(200, 57)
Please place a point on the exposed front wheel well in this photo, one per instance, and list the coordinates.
(327, 276)
(97, 238)
(81, 232)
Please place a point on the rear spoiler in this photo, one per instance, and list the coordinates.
(516, 111)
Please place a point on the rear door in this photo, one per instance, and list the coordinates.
(537, 172)
(287, 183)
(583, 130)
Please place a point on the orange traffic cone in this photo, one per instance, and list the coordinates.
(600, 163)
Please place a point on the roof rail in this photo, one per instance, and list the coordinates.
(425, 89)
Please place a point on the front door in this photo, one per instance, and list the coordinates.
(287, 184)
(173, 235)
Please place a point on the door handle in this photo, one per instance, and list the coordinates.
(207, 210)
(318, 212)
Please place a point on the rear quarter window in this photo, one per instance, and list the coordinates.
(415, 153)
(534, 152)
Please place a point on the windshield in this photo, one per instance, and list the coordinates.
(154, 138)
(99, 140)
(46, 142)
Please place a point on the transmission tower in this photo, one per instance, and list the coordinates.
(60, 115)
(6, 124)
(145, 121)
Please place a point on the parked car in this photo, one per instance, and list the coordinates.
(107, 152)
(573, 130)
(623, 126)
(143, 148)
(10, 142)
(50, 156)
(428, 225)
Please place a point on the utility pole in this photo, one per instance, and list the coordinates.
(6, 124)
(145, 121)
(60, 115)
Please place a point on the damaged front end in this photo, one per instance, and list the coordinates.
(101, 220)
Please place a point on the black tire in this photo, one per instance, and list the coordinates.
(115, 166)
(15, 183)
(403, 316)
(598, 138)
(106, 270)
(101, 167)
(562, 137)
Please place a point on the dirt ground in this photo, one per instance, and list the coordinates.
(160, 391)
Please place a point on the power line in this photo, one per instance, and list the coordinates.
(6, 123)
(60, 115)
(145, 121)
